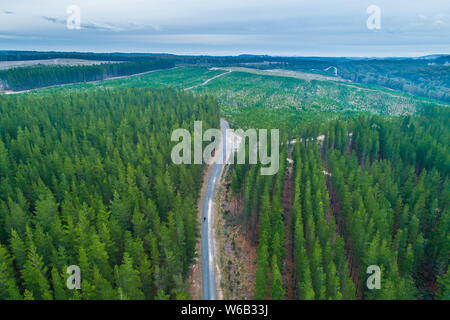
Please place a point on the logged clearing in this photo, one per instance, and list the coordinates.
(236, 256)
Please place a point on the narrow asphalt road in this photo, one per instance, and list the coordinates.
(209, 283)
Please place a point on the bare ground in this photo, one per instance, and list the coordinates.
(235, 255)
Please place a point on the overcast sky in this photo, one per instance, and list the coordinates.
(231, 27)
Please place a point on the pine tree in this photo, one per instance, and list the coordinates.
(128, 280)
(34, 276)
(332, 282)
(8, 287)
(261, 285)
(58, 285)
(277, 291)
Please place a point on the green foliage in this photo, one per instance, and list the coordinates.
(390, 189)
(24, 78)
(245, 90)
(89, 182)
(277, 291)
(374, 192)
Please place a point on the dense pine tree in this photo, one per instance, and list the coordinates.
(87, 180)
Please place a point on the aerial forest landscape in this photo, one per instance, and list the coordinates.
(214, 153)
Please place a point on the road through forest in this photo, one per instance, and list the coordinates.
(209, 283)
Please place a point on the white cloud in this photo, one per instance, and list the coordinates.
(439, 19)
(422, 17)
(17, 37)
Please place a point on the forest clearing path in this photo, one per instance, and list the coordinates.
(287, 198)
(207, 81)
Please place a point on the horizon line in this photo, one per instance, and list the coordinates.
(231, 55)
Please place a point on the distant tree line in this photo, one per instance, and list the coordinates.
(423, 77)
(14, 55)
(427, 77)
(23, 78)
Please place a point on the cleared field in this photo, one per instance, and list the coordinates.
(286, 73)
(245, 89)
(177, 78)
(238, 88)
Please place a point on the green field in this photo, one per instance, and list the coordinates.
(177, 78)
(244, 89)
(237, 90)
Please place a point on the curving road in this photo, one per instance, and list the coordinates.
(209, 283)
(204, 83)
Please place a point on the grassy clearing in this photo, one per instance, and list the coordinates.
(177, 78)
(239, 89)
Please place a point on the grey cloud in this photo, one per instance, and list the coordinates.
(17, 37)
(54, 20)
(92, 25)
(100, 26)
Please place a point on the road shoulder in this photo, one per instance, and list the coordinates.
(196, 273)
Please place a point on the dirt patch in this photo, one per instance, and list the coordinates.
(235, 255)
(287, 73)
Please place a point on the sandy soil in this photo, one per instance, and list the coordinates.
(286, 73)
(235, 255)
